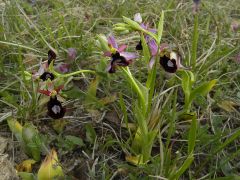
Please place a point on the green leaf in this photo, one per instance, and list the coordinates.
(151, 80)
(124, 111)
(26, 176)
(192, 135)
(75, 140)
(74, 93)
(183, 168)
(187, 81)
(32, 141)
(90, 133)
(16, 128)
(160, 28)
(230, 139)
(92, 88)
(202, 89)
(141, 121)
(144, 91)
(139, 89)
(10, 99)
(92, 91)
(147, 145)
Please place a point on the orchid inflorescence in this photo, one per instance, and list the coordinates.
(50, 81)
(54, 106)
(169, 60)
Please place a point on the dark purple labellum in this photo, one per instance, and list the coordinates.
(117, 60)
(139, 46)
(168, 64)
(197, 1)
(112, 69)
(51, 56)
(47, 75)
(55, 109)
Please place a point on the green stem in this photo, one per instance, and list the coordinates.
(51, 69)
(151, 82)
(187, 104)
(194, 42)
(72, 74)
(135, 86)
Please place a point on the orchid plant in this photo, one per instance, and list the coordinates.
(153, 51)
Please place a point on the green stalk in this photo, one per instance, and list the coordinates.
(151, 85)
(128, 73)
(73, 73)
(194, 42)
(187, 104)
(51, 69)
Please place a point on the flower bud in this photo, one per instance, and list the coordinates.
(72, 54)
(27, 75)
(102, 42)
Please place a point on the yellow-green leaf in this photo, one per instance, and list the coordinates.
(203, 89)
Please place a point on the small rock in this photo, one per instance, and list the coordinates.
(7, 171)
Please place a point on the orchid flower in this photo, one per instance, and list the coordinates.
(62, 67)
(118, 54)
(71, 54)
(51, 56)
(154, 51)
(43, 73)
(152, 44)
(170, 61)
(55, 109)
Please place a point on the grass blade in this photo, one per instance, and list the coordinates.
(192, 135)
(160, 28)
(194, 42)
(183, 168)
